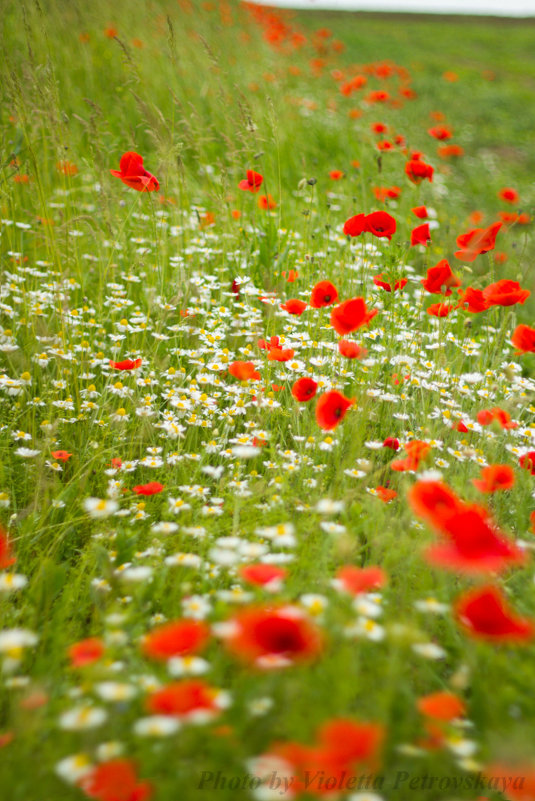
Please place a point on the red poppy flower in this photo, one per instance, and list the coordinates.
(348, 743)
(323, 294)
(477, 241)
(385, 494)
(378, 281)
(152, 488)
(331, 409)
(505, 293)
(291, 275)
(61, 456)
(351, 350)
(518, 778)
(127, 364)
(85, 652)
(484, 613)
(495, 477)
(178, 638)
(420, 212)
(252, 183)
(115, 780)
(280, 354)
(434, 501)
(273, 343)
(441, 132)
(355, 225)
(304, 389)
(184, 699)
(461, 427)
(420, 235)
(263, 575)
(355, 580)
(6, 557)
(449, 151)
(509, 195)
(133, 174)
(487, 416)
(441, 706)
(527, 461)
(440, 279)
(336, 175)
(350, 315)
(473, 300)
(294, 306)
(440, 309)
(416, 451)
(381, 224)
(244, 371)
(392, 443)
(378, 127)
(378, 96)
(274, 636)
(417, 171)
(383, 192)
(474, 545)
(266, 202)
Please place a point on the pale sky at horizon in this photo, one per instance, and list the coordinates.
(507, 8)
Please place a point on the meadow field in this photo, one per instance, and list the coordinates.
(267, 389)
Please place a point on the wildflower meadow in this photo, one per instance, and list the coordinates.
(267, 384)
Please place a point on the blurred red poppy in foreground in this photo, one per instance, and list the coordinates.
(178, 638)
(274, 636)
(434, 501)
(515, 782)
(477, 241)
(484, 613)
(331, 409)
(133, 174)
(115, 780)
(473, 544)
(524, 339)
(191, 699)
(343, 749)
(495, 477)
